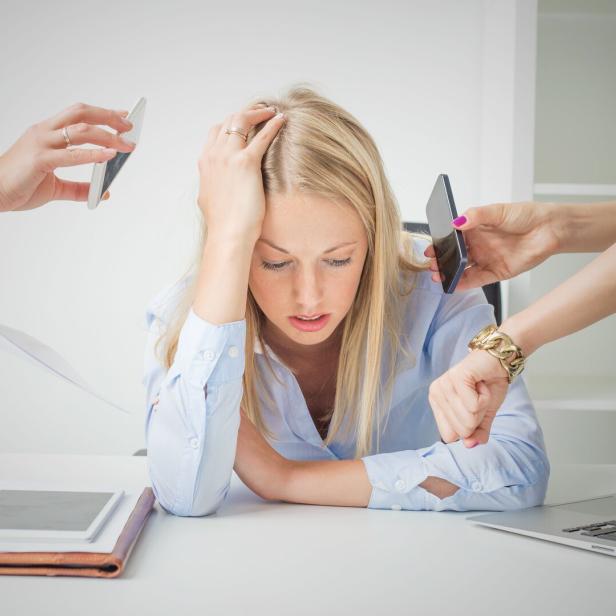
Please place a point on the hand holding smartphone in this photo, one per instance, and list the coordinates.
(448, 242)
(103, 174)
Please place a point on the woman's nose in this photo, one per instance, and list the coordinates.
(307, 289)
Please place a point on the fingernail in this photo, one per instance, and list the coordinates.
(109, 151)
(123, 113)
(474, 444)
(280, 115)
(132, 144)
(459, 221)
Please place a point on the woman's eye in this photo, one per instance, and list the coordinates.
(277, 266)
(273, 266)
(338, 262)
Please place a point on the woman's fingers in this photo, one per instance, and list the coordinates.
(482, 433)
(457, 417)
(265, 136)
(80, 112)
(439, 406)
(52, 159)
(71, 191)
(81, 133)
(242, 122)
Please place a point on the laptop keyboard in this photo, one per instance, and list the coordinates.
(604, 530)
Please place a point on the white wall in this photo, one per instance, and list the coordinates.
(424, 77)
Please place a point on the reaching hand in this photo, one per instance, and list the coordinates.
(27, 178)
(502, 241)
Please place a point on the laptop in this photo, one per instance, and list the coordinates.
(588, 524)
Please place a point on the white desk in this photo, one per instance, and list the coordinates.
(257, 558)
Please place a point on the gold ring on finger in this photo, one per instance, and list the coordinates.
(66, 137)
(235, 130)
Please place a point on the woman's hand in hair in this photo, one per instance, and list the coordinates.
(258, 464)
(27, 178)
(231, 194)
(466, 398)
(503, 240)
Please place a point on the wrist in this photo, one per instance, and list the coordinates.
(575, 227)
(555, 228)
(519, 333)
(232, 240)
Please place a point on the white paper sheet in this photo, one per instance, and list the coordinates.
(29, 348)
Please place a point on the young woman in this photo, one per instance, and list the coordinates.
(302, 350)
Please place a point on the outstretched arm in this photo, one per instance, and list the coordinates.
(465, 399)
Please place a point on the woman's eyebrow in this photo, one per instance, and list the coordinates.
(262, 239)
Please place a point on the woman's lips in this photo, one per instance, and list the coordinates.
(310, 326)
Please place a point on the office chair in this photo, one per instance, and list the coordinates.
(491, 291)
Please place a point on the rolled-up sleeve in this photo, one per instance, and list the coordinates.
(509, 472)
(192, 414)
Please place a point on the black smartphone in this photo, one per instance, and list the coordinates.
(447, 240)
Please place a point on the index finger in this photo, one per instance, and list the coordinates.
(80, 112)
(262, 140)
(429, 252)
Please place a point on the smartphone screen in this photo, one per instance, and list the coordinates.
(447, 240)
(113, 168)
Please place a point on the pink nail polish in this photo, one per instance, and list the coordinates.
(459, 221)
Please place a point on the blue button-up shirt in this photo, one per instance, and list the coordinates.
(193, 414)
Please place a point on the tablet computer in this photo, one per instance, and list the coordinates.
(52, 515)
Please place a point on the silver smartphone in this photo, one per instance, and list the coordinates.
(103, 174)
(447, 240)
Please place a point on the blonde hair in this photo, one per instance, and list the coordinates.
(322, 149)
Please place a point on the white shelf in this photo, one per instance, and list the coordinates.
(584, 405)
(576, 190)
(558, 393)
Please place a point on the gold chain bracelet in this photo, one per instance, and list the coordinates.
(501, 346)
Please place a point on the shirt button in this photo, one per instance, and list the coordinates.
(194, 443)
(476, 486)
(233, 351)
(208, 355)
(396, 507)
(400, 485)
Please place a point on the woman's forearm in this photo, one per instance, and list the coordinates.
(583, 299)
(584, 227)
(222, 283)
(342, 483)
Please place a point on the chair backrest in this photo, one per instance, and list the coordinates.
(491, 291)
